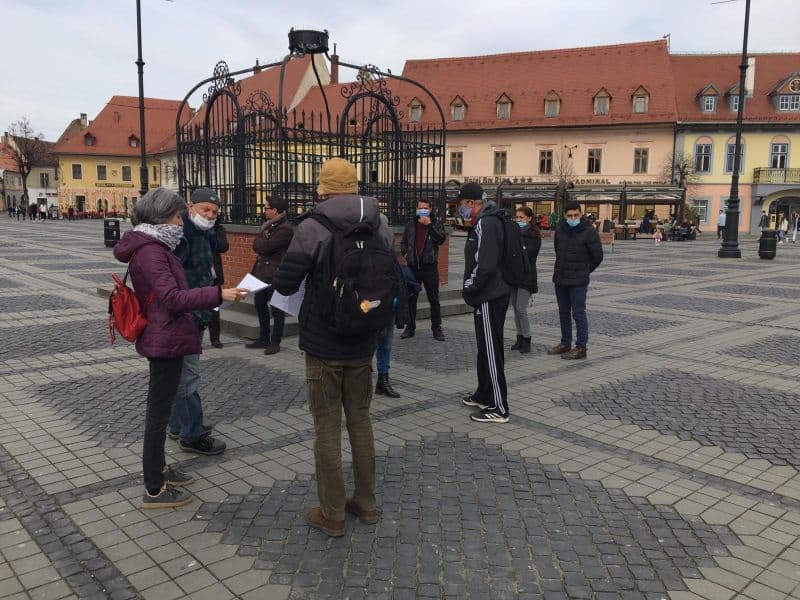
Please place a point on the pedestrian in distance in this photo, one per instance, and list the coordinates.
(721, 224)
(419, 245)
(488, 294)
(521, 296)
(270, 246)
(579, 252)
(783, 228)
(763, 223)
(342, 246)
(219, 246)
(160, 285)
(196, 254)
(795, 226)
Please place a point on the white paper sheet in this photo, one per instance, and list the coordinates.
(249, 283)
(289, 304)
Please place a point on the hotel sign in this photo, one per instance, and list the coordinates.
(577, 181)
(112, 185)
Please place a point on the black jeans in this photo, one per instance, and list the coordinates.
(165, 373)
(490, 318)
(428, 276)
(263, 309)
(214, 326)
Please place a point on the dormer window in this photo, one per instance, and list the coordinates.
(133, 141)
(552, 104)
(733, 101)
(458, 109)
(415, 111)
(89, 139)
(786, 95)
(504, 107)
(709, 104)
(641, 100)
(602, 102)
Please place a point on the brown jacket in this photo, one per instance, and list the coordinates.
(270, 245)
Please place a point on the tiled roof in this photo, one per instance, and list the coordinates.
(118, 121)
(575, 74)
(6, 162)
(694, 72)
(268, 80)
(71, 129)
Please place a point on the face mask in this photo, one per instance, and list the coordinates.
(201, 222)
(168, 234)
(423, 212)
(574, 222)
(464, 211)
(522, 224)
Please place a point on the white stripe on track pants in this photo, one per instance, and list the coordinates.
(490, 318)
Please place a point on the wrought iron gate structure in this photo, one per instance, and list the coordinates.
(252, 149)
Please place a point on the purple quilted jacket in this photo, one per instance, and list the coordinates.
(171, 330)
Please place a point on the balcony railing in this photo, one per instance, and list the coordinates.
(764, 175)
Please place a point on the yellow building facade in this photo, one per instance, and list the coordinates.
(91, 184)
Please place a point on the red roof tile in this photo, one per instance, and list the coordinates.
(575, 74)
(118, 121)
(694, 72)
(6, 162)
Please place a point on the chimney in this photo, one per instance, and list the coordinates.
(257, 68)
(334, 66)
(750, 76)
(84, 120)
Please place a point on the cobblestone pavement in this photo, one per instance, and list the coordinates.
(663, 467)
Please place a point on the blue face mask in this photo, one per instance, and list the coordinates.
(423, 212)
(522, 224)
(574, 222)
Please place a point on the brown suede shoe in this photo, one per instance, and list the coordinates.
(560, 349)
(317, 520)
(368, 517)
(575, 354)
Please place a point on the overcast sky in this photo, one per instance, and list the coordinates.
(61, 58)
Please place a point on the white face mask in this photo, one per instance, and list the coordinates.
(201, 222)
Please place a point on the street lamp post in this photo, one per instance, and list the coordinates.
(140, 65)
(730, 245)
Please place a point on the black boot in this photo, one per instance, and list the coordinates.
(516, 345)
(407, 333)
(384, 387)
(525, 345)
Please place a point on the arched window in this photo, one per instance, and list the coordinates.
(504, 107)
(458, 108)
(730, 155)
(703, 148)
(602, 102)
(641, 100)
(415, 110)
(552, 104)
(779, 152)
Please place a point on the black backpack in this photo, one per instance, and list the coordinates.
(358, 286)
(516, 266)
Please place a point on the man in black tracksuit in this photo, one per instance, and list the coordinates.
(579, 251)
(488, 293)
(422, 237)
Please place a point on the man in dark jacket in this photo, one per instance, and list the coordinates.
(579, 251)
(338, 368)
(197, 257)
(420, 247)
(270, 245)
(219, 246)
(488, 293)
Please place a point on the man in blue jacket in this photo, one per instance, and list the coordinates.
(488, 294)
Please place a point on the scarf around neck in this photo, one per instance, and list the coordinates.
(169, 235)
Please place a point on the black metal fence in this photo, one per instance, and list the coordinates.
(251, 149)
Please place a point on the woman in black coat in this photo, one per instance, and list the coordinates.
(520, 297)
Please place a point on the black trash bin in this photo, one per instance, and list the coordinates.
(768, 244)
(110, 232)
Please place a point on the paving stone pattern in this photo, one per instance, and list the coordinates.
(766, 291)
(230, 388)
(758, 422)
(633, 279)
(779, 349)
(692, 303)
(12, 304)
(70, 336)
(464, 519)
(604, 323)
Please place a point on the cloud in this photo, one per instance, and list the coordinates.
(78, 54)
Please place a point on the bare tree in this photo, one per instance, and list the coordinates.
(28, 150)
(563, 167)
(679, 169)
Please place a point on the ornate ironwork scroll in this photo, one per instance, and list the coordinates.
(222, 79)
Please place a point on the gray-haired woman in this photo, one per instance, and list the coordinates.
(160, 284)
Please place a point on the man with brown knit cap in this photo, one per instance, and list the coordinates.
(338, 364)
